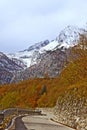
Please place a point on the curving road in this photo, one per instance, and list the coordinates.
(19, 124)
(42, 123)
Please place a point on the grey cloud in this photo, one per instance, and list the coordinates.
(25, 22)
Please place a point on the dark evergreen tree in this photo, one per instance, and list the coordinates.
(43, 90)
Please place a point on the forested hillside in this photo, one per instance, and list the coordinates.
(44, 92)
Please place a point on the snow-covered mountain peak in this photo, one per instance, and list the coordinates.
(37, 46)
(69, 36)
(27, 54)
(49, 47)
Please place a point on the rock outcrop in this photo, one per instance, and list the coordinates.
(71, 110)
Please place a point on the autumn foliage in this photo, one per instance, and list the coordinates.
(32, 93)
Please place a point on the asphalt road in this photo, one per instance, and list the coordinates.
(41, 123)
(19, 124)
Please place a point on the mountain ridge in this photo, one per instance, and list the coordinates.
(68, 37)
(45, 58)
(51, 59)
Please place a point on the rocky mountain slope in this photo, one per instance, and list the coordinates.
(7, 68)
(53, 57)
(26, 55)
(67, 38)
(50, 65)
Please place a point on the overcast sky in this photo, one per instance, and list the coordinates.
(25, 22)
